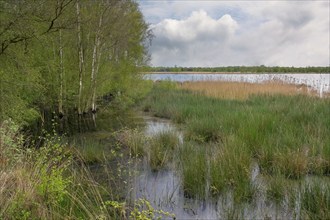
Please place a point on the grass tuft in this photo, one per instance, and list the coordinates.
(193, 163)
(161, 149)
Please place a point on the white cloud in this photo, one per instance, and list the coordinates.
(192, 40)
(198, 27)
(211, 33)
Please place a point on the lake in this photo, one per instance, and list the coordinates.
(318, 82)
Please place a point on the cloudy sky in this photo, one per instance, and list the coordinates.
(225, 33)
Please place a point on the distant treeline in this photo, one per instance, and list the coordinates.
(244, 69)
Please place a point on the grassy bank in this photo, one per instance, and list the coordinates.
(44, 183)
(287, 136)
(58, 181)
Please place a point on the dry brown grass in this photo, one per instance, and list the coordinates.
(239, 90)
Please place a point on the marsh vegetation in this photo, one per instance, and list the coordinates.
(190, 153)
(268, 145)
(83, 135)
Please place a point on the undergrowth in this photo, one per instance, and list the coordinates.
(52, 182)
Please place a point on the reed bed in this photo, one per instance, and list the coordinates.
(242, 91)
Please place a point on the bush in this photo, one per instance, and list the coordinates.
(43, 183)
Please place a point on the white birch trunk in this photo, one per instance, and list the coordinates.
(95, 63)
(60, 104)
(81, 57)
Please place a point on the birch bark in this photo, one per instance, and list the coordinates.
(81, 57)
(95, 63)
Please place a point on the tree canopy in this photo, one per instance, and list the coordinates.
(61, 55)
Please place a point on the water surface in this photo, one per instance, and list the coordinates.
(163, 189)
(319, 82)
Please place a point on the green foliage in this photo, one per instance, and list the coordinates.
(45, 183)
(42, 65)
(15, 103)
(10, 144)
(53, 184)
(142, 210)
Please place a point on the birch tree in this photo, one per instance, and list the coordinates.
(80, 56)
(70, 52)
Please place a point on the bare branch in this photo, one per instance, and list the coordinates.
(58, 12)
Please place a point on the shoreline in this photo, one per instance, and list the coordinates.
(194, 72)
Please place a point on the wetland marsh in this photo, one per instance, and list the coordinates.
(264, 156)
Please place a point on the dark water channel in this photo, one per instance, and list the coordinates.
(163, 188)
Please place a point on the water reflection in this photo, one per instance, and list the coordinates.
(163, 189)
(155, 126)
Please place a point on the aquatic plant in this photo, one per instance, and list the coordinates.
(92, 150)
(230, 170)
(204, 129)
(193, 165)
(136, 140)
(161, 148)
(287, 136)
(313, 200)
(269, 126)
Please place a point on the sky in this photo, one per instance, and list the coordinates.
(236, 33)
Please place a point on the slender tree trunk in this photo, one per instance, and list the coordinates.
(81, 57)
(95, 64)
(60, 103)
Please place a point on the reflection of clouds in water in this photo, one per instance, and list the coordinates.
(319, 82)
(156, 127)
(164, 190)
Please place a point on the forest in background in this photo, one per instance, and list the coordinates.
(244, 69)
(61, 58)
